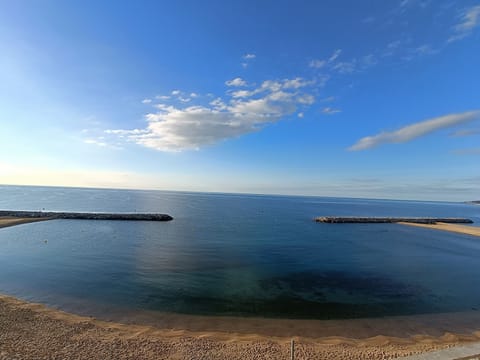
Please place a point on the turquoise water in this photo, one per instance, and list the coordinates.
(241, 255)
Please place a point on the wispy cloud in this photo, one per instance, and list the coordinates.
(317, 64)
(320, 63)
(162, 97)
(465, 132)
(328, 99)
(236, 82)
(177, 128)
(146, 101)
(425, 49)
(470, 151)
(469, 19)
(346, 67)
(247, 58)
(335, 55)
(100, 141)
(95, 142)
(416, 130)
(330, 111)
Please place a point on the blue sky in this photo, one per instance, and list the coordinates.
(334, 98)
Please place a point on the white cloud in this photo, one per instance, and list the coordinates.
(123, 133)
(328, 99)
(236, 82)
(416, 130)
(317, 64)
(469, 19)
(346, 67)
(102, 142)
(174, 128)
(162, 97)
(276, 87)
(95, 142)
(242, 94)
(176, 92)
(391, 48)
(330, 111)
(320, 63)
(146, 101)
(247, 58)
(335, 55)
(218, 104)
(296, 83)
(425, 50)
(306, 99)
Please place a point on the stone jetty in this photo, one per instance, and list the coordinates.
(414, 220)
(85, 215)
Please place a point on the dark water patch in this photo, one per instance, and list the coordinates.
(323, 283)
(281, 306)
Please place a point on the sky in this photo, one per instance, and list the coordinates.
(376, 99)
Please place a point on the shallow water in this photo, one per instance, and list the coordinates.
(240, 255)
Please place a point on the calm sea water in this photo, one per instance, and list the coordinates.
(245, 255)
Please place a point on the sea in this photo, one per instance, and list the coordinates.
(237, 255)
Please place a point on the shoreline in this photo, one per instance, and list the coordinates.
(455, 228)
(31, 330)
(6, 221)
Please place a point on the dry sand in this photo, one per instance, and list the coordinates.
(6, 221)
(462, 229)
(33, 331)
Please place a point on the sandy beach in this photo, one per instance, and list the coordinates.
(456, 228)
(6, 221)
(33, 331)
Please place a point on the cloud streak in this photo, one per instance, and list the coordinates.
(416, 130)
(330, 111)
(465, 132)
(469, 19)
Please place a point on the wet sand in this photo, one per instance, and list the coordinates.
(33, 331)
(6, 221)
(461, 229)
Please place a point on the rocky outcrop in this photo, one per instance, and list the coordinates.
(416, 220)
(86, 216)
